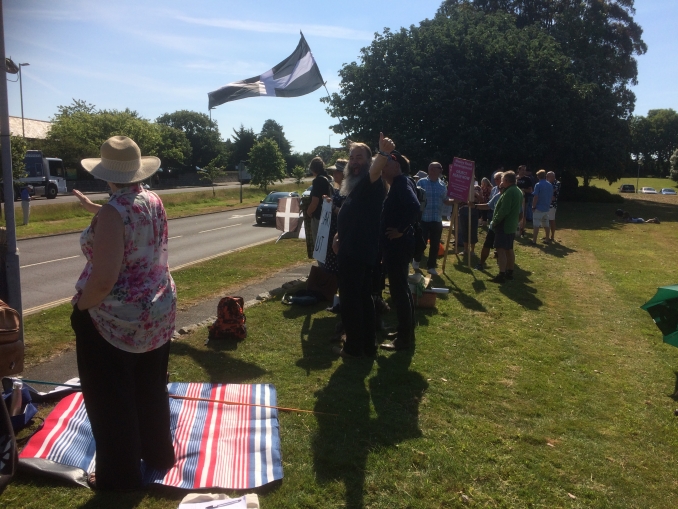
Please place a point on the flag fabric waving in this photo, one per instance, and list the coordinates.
(288, 218)
(297, 75)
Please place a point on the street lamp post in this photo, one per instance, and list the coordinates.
(638, 176)
(329, 141)
(21, 94)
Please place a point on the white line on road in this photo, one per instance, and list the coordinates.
(50, 261)
(221, 228)
(55, 303)
(176, 237)
(242, 215)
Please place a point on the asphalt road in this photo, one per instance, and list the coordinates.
(50, 266)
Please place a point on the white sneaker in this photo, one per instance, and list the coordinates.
(433, 272)
(415, 265)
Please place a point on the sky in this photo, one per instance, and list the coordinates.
(160, 56)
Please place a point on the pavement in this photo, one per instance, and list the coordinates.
(64, 367)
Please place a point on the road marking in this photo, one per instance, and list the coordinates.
(221, 228)
(183, 266)
(50, 261)
(42, 307)
(56, 303)
(242, 215)
(177, 237)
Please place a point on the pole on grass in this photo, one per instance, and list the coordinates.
(453, 220)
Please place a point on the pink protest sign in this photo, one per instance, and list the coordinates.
(460, 179)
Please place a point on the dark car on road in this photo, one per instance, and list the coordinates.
(268, 206)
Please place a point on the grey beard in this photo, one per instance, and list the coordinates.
(350, 180)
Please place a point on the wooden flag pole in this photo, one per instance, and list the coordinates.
(223, 402)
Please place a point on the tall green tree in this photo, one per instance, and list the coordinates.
(18, 147)
(201, 132)
(654, 139)
(266, 164)
(274, 131)
(243, 141)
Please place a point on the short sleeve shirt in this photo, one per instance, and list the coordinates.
(359, 220)
(138, 314)
(543, 191)
(436, 192)
(321, 187)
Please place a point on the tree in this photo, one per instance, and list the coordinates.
(654, 139)
(338, 154)
(266, 164)
(174, 149)
(211, 172)
(674, 166)
(201, 132)
(324, 152)
(299, 172)
(243, 141)
(274, 131)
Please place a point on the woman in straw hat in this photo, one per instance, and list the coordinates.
(123, 318)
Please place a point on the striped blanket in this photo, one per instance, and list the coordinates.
(216, 445)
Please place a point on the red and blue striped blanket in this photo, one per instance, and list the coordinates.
(216, 445)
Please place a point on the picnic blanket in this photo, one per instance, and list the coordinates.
(216, 446)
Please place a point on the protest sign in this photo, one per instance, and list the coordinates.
(460, 179)
(323, 232)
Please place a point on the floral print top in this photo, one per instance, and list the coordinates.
(138, 315)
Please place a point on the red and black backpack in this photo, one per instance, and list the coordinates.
(230, 322)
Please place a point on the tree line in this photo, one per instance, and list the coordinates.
(508, 82)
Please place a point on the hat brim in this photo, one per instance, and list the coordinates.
(147, 167)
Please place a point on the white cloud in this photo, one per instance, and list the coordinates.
(334, 32)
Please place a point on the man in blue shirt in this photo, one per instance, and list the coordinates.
(541, 203)
(432, 216)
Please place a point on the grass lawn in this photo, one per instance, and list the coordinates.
(554, 390)
(69, 217)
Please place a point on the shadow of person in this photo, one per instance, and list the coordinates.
(674, 396)
(315, 347)
(219, 365)
(396, 393)
(341, 444)
(466, 300)
(519, 292)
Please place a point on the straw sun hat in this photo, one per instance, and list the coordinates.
(121, 162)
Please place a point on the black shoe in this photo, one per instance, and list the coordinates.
(479, 266)
(509, 276)
(340, 352)
(499, 278)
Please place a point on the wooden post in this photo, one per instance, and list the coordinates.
(453, 220)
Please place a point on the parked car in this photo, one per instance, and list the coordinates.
(627, 188)
(268, 206)
(648, 190)
(668, 190)
(307, 192)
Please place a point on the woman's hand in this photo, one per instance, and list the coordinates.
(335, 244)
(393, 233)
(86, 203)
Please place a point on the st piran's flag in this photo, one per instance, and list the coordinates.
(297, 75)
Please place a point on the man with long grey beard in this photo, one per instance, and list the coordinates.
(357, 246)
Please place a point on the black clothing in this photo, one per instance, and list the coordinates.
(134, 384)
(524, 184)
(357, 306)
(401, 211)
(433, 232)
(397, 269)
(358, 221)
(321, 186)
(330, 258)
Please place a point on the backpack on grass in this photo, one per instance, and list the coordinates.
(230, 322)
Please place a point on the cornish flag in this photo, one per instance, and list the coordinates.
(297, 75)
(288, 218)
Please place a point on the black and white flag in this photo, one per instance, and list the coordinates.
(297, 75)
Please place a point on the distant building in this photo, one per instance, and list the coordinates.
(35, 129)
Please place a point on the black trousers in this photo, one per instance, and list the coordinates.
(357, 306)
(433, 231)
(127, 404)
(397, 263)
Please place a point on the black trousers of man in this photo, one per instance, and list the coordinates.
(357, 306)
(397, 260)
(127, 405)
(433, 231)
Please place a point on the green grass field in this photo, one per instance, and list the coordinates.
(657, 183)
(554, 390)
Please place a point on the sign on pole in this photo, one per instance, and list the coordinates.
(322, 239)
(460, 179)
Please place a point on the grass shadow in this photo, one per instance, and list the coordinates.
(519, 291)
(600, 216)
(466, 300)
(220, 366)
(315, 346)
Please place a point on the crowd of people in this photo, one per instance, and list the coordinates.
(383, 219)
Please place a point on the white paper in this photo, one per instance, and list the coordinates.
(322, 239)
(235, 503)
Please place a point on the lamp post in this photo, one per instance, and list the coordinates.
(329, 141)
(21, 94)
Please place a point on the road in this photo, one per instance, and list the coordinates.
(50, 266)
